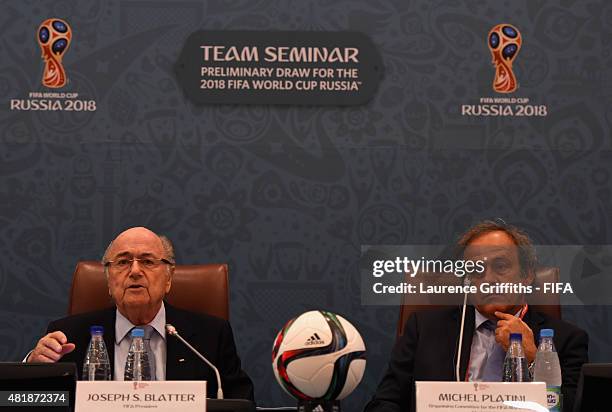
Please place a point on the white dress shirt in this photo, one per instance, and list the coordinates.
(158, 344)
(483, 345)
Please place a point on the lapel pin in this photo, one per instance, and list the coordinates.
(182, 360)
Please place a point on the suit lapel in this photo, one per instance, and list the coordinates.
(468, 335)
(109, 334)
(466, 346)
(534, 320)
(178, 365)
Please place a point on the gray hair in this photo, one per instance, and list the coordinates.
(168, 248)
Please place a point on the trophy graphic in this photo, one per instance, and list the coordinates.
(504, 43)
(54, 36)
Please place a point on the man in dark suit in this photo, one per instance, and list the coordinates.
(428, 349)
(139, 266)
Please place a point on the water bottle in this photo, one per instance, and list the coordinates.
(96, 366)
(137, 367)
(548, 370)
(515, 363)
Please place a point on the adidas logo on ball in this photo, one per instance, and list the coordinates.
(314, 340)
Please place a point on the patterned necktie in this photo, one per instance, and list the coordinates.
(494, 364)
(148, 332)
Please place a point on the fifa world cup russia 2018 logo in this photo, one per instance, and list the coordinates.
(504, 42)
(54, 36)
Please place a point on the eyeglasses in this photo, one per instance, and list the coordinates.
(124, 263)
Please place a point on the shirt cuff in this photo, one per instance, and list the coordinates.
(25, 360)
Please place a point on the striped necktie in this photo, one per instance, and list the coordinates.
(494, 365)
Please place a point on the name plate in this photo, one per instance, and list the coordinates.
(109, 396)
(480, 396)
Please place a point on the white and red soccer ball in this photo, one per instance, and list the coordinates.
(318, 356)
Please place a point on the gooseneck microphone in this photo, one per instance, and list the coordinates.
(171, 330)
(466, 282)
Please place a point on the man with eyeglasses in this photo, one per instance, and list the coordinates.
(428, 349)
(139, 266)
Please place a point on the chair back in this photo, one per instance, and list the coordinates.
(197, 288)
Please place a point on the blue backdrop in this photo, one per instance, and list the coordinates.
(287, 195)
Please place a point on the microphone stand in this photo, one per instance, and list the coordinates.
(172, 331)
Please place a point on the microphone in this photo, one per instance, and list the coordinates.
(466, 282)
(171, 330)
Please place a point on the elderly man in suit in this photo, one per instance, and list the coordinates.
(428, 350)
(139, 266)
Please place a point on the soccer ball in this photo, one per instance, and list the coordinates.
(318, 356)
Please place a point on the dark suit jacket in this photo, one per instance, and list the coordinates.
(209, 335)
(428, 351)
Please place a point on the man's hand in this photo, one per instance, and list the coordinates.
(51, 347)
(511, 324)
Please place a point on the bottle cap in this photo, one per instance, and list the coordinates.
(138, 333)
(516, 336)
(96, 330)
(547, 333)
